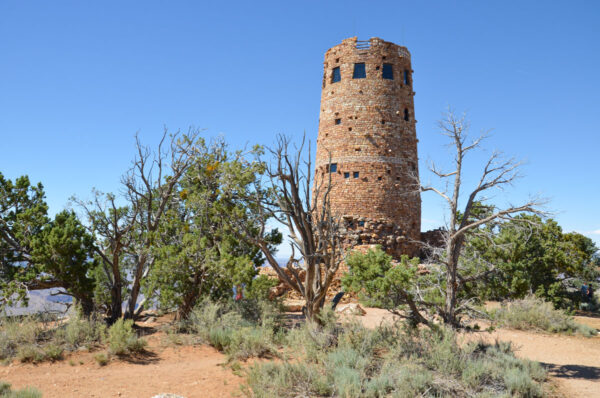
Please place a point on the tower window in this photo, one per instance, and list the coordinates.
(406, 77)
(346, 175)
(361, 223)
(378, 178)
(336, 76)
(359, 71)
(406, 117)
(332, 167)
(387, 72)
(355, 174)
(338, 121)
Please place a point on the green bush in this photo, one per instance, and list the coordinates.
(122, 339)
(30, 353)
(245, 329)
(260, 287)
(533, 313)
(15, 333)
(101, 359)
(53, 352)
(35, 339)
(352, 361)
(80, 331)
(28, 392)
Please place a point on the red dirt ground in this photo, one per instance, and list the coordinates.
(191, 371)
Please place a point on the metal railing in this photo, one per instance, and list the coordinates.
(363, 44)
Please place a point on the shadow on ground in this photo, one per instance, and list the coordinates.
(140, 358)
(573, 371)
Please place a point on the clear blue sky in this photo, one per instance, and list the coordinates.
(78, 79)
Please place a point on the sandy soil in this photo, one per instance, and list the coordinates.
(573, 362)
(189, 371)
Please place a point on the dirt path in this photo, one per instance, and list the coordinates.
(572, 361)
(184, 370)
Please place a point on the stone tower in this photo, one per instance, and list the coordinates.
(367, 142)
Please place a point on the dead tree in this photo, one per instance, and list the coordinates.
(497, 173)
(111, 227)
(149, 186)
(125, 234)
(314, 231)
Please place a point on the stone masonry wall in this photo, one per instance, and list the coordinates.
(367, 134)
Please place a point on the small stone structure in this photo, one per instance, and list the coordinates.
(367, 144)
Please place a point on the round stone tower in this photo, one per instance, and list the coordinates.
(367, 144)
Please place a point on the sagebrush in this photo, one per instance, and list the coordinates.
(533, 313)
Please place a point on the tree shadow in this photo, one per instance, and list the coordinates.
(293, 320)
(143, 330)
(587, 314)
(143, 357)
(573, 371)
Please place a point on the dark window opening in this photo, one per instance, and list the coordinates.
(355, 174)
(377, 67)
(332, 167)
(338, 121)
(336, 76)
(389, 171)
(406, 117)
(397, 178)
(387, 72)
(361, 223)
(359, 71)
(378, 178)
(383, 122)
(337, 60)
(406, 77)
(349, 128)
(346, 175)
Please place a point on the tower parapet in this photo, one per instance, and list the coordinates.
(367, 143)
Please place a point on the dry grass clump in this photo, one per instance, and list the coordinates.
(352, 361)
(122, 339)
(41, 338)
(241, 330)
(28, 392)
(533, 313)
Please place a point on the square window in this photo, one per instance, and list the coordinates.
(378, 178)
(355, 174)
(361, 223)
(346, 175)
(333, 167)
(338, 121)
(387, 72)
(336, 76)
(359, 71)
